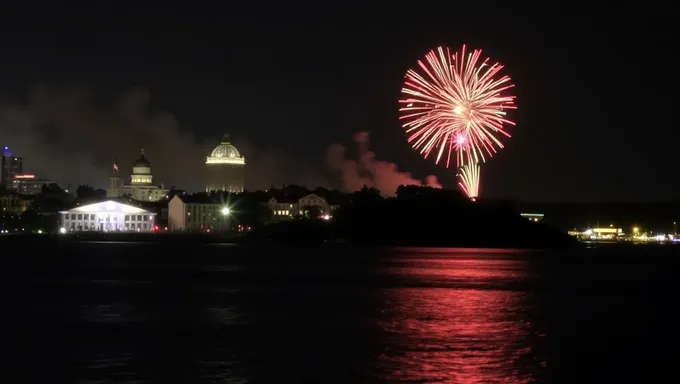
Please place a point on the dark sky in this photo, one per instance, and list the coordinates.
(595, 88)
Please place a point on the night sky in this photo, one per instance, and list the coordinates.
(595, 88)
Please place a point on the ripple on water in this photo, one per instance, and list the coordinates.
(102, 368)
(225, 315)
(113, 313)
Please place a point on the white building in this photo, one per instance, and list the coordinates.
(141, 186)
(203, 213)
(108, 216)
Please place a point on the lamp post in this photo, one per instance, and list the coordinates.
(226, 212)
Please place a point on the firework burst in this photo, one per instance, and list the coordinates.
(469, 180)
(457, 102)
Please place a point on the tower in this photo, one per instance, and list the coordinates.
(115, 182)
(225, 168)
(11, 166)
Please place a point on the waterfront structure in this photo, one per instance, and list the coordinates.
(11, 166)
(225, 168)
(141, 186)
(536, 217)
(603, 233)
(199, 212)
(107, 216)
(287, 207)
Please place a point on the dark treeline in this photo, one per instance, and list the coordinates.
(421, 216)
(417, 216)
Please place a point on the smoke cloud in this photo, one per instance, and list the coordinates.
(366, 170)
(268, 167)
(63, 134)
(66, 135)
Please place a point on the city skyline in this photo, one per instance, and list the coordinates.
(288, 93)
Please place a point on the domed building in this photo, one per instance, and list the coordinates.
(141, 182)
(225, 168)
(141, 172)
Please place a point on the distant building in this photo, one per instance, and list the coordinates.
(141, 186)
(533, 216)
(284, 207)
(11, 166)
(14, 203)
(603, 233)
(108, 216)
(225, 168)
(161, 210)
(198, 212)
(27, 184)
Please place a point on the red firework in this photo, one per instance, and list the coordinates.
(456, 103)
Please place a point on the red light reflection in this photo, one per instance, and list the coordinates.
(457, 325)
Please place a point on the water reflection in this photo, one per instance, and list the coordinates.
(344, 315)
(440, 332)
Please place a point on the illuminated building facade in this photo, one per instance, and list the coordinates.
(141, 183)
(225, 168)
(533, 216)
(11, 166)
(27, 184)
(108, 216)
(603, 233)
(204, 213)
(14, 203)
(285, 208)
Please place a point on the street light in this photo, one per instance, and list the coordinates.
(226, 211)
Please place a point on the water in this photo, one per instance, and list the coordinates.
(138, 313)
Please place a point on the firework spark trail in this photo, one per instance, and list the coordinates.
(458, 103)
(469, 180)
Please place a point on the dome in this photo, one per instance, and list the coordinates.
(225, 150)
(142, 162)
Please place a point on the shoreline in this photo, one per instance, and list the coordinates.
(239, 239)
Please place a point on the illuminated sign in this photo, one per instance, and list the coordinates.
(24, 176)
